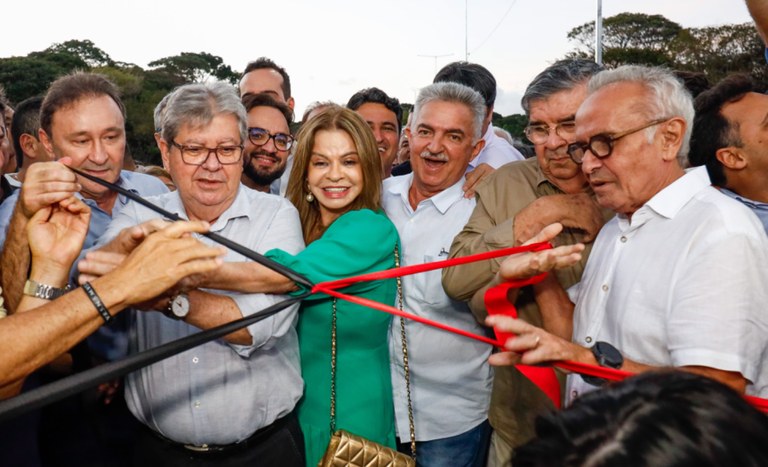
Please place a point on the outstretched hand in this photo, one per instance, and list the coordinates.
(524, 265)
(164, 258)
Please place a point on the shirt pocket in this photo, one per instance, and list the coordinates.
(428, 285)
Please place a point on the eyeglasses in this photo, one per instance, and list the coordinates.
(539, 134)
(601, 145)
(260, 137)
(197, 155)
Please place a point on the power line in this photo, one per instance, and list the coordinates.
(494, 28)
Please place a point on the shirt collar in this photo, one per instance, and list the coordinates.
(240, 207)
(669, 201)
(401, 186)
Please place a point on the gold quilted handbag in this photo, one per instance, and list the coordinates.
(348, 450)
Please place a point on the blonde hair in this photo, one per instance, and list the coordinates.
(348, 121)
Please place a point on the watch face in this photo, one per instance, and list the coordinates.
(180, 306)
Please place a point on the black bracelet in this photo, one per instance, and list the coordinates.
(97, 302)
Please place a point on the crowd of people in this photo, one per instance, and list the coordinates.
(656, 205)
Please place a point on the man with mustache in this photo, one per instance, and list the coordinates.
(516, 202)
(269, 142)
(383, 114)
(450, 376)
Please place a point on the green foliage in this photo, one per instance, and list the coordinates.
(634, 38)
(141, 89)
(196, 67)
(515, 124)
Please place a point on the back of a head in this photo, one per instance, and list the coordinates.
(454, 93)
(473, 75)
(377, 96)
(668, 97)
(26, 120)
(73, 87)
(262, 63)
(562, 75)
(711, 130)
(197, 104)
(670, 418)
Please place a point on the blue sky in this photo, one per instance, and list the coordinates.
(333, 48)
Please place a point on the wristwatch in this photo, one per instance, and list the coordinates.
(44, 291)
(607, 356)
(178, 308)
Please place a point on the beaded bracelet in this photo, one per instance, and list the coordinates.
(97, 302)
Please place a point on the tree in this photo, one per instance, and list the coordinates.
(628, 38)
(196, 67)
(85, 50)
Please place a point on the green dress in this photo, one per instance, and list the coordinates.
(358, 242)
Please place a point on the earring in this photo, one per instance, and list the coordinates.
(310, 197)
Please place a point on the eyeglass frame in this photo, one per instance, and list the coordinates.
(609, 141)
(215, 151)
(549, 130)
(271, 136)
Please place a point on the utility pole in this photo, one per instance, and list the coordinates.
(599, 33)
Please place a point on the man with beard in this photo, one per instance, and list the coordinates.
(269, 142)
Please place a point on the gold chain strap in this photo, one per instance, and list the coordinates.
(333, 368)
(406, 368)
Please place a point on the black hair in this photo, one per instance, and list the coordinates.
(377, 96)
(472, 75)
(666, 418)
(26, 120)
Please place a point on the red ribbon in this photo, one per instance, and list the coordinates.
(496, 304)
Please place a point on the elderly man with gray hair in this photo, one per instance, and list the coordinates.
(229, 401)
(450, 375)
(513, 204)
(677, 278)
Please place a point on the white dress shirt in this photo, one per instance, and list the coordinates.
(496, 152)
(683, 283)
(220, 393)
(450, 375)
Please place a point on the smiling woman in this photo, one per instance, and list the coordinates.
(335, 185)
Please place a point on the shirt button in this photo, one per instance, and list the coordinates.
(605, 287)
(197, 404)
(588, 339)
(195, 360)
(623, 239)
(574, 394)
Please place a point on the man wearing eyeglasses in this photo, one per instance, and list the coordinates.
(513, 205)
(229, 401)
(269, 142)
(677, 278)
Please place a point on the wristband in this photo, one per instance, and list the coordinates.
(97, 302)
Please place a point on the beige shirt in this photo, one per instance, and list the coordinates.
(515, 401)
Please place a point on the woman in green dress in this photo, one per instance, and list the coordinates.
(336, 187)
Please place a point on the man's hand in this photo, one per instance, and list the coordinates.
(45, 184)
(56, 233)
(533, 345)
(524, 265)
(164, 258)
(578, 211)
(130, 237)
(473, 178)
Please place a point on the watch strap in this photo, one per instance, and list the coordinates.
(44, 291)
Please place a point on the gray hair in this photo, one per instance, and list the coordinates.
(160, 112)
(669, 97)
(562, 75)
(454, 92)
(198, 104)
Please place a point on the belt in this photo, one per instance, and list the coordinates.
(257, 437)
